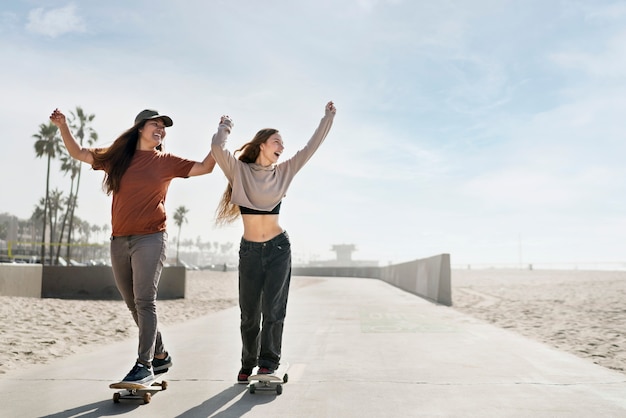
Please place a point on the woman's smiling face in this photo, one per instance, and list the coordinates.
(152, 134)
(271, 150)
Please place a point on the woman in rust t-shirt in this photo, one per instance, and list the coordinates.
(137, 175)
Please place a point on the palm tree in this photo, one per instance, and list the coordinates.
(48, 144)
(56, 215)
(72, 166)
(105, 229)
(95, 229)
(180, 217)
(80, 123)
(38, 218)
(67, 202)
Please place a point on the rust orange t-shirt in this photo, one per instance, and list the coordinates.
(138, 208)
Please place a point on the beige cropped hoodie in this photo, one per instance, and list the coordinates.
(257, 187)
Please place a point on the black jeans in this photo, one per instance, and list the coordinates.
(264, 276)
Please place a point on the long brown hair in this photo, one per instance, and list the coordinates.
(226, 211)
(116, 159)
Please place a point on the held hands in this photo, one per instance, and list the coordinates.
(227, 121)
(330, 108)
(57, 118)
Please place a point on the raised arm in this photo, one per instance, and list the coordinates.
(74, 148)
(224, 158)
(295, 163)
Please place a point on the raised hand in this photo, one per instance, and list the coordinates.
(330, 108)
(226, 120)
(57, 118)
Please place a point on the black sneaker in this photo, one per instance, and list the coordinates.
(139, 374)
(243, 375)
(161, 365)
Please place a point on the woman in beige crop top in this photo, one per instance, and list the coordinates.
(257, 184)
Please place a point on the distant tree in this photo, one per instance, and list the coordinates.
(226, 247)
(38, 211)
(23, 229)
(85, 230)
(29, 229)
(38, 217)
(48, 144)
(71, 166)
(76, 229)
(80, 123)
(105, 229)
(96, 229)
(65, 202)
(56, 211)
(188, 243)
(180, 217)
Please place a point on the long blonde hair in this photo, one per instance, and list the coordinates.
(226, 211)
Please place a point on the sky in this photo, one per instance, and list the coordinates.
(490, 130)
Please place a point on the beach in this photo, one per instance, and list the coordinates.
(38, 331)
(580, 312)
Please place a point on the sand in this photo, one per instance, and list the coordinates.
(581, 312)
(38, 331)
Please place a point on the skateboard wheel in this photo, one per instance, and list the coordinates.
(279, 389)
(147, 397)
(252, 388)
(163, 385)
(116, 397)
(285, 378)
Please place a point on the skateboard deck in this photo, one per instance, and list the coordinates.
(137, 391)
(271, 382)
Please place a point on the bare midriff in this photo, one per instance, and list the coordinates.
(260, 228)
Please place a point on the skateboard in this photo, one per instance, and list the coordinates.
(138, 391)
(271, 382)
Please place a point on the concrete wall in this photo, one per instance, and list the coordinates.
(20, 280)
(328, 271)
(97, 282)
(428, 277)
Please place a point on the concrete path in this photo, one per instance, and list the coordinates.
(357, 348)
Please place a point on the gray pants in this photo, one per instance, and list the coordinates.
(137, 262)
(264, 276)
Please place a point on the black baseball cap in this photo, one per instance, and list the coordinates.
(147, 114)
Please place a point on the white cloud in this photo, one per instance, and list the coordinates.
(55, 22)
